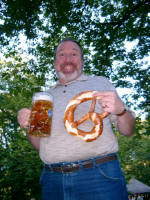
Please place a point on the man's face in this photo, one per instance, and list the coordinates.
(68, 62)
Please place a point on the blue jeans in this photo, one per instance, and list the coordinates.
(102, 182)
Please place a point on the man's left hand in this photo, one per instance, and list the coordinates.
(110, 102)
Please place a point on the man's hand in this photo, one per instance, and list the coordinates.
(110, 102)
(23, 117)
(24, 120)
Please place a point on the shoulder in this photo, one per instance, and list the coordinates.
(101, 80)
(53, 86)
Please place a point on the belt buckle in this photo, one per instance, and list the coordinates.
(88, 164)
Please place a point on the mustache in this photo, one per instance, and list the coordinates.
(68, 63)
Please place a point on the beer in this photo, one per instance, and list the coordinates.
(41, 114)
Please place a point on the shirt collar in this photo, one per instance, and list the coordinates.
(82, 77)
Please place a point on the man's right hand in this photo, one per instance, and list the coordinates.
(24, 120)
(24, 117)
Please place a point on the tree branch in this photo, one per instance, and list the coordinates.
(127, 15)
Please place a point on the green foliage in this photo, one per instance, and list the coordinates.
(135, 157)
(20, 165)
(20, 170)
(19, 15)
(103, 26)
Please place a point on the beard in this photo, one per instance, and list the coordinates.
(67, 77)
(68, 72)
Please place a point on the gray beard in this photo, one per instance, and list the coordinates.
(68, 78)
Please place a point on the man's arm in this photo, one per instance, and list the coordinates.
(35, 141)
(126, 124)
(23, 120)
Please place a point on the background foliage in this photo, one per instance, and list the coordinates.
(105, 29)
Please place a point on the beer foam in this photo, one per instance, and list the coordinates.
(42, 96)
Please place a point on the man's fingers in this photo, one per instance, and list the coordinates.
(23, 117)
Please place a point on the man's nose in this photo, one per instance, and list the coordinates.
(68, 58)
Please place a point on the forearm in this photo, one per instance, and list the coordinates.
(126, 124)
(35, 141)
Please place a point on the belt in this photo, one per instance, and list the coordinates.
(76, 166)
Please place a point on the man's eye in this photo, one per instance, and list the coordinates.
(61, 54)
(74, 54)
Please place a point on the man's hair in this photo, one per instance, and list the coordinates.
(66, 40)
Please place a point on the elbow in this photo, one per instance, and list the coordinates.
(128, 128)
(129, 134)
(37, 148)
(129, 131)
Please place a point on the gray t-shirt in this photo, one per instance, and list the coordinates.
(60, 146)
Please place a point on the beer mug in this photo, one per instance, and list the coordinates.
(41, 114)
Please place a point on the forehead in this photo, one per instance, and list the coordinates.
(68, 45)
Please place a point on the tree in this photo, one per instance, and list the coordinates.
(107, 26)
(104, 29)
(134, 156)
(20, 165)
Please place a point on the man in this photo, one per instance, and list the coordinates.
(75, 169)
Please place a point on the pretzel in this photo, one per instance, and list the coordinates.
(72, 126)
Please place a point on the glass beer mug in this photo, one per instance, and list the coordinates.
(41, 114)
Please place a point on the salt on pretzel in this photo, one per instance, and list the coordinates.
(72, 126)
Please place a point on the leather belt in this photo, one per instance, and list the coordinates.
(76, 166)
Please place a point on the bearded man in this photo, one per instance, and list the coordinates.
(74, 169)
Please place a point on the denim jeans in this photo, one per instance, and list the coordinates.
(102, 182)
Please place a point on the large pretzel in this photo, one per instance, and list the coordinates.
(72, 126)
